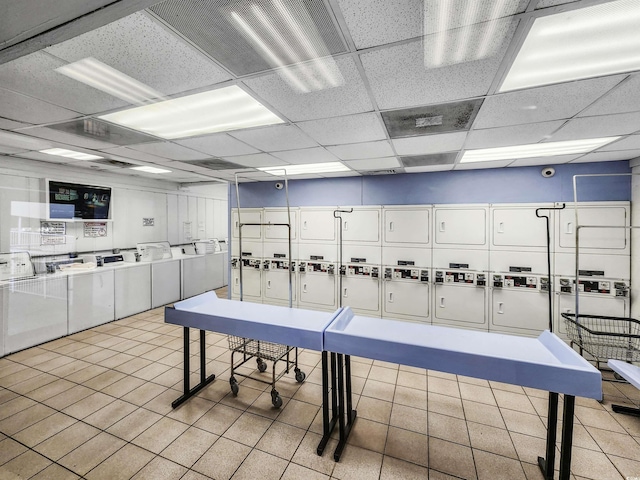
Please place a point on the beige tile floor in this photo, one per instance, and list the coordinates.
(97, 405)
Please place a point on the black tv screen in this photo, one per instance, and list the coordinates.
(72, 200)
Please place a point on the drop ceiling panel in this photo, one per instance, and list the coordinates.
(6, 124)
(10, 150)
(541, 161)
(481, 165)
(35, 75)
(552, 3)
(307, 155)
(429, 160)
(47, 158)
(339, 174)
(22, 108)
(399, 78)
(278, 137)
(364, 127)
(362, 150)
(95, 129)
(219, 145)
(600, 126)
(210, 164)
(347, 98)
(514, 135)
(250, 37)
(373, 163)
(632, 142)
(169, 150)
(608, 156)
(67, 138)
(623, 98)
(444, 142)
(125, 152)
(139, 47)
(257, 160)
(541, 104)
(22, 142)
(434, 168)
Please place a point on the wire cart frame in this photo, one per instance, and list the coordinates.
(261, 350)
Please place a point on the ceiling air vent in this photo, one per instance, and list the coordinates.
(429, 160)
(103, 131)
(388, 171)
(447, 117)
(214, 164)
(115, 163)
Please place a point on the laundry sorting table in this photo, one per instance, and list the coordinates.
(545, 363)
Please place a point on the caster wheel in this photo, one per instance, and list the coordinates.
(276, 399)
(234, 386)
(300, 375)
(262, 366)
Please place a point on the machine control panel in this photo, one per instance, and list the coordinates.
(519, 281)
(395, 273)
(602, 287)
(470, 278)
(246, 263)
(278, 264)
(362, 270)
(317, 267)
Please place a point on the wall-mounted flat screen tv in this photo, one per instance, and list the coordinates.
(73, 200)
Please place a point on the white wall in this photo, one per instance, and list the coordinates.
(635, 241)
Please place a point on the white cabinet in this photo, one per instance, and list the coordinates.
(165, 282)
(33, 311)
(317, 225)
(461, 225)
(132, 289)
(407, 226)
(194, 274)
(362, 225)
(220, 219)
(91, 299)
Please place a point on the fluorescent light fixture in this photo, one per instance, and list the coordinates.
(284, 38)
(584, 43)
(103, 77)
(61, 152)
(535, 150)
(221, 110)
(306, 168)
(458, 31)
(151, 169)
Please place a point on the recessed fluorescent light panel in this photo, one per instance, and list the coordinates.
(103, 77)
(151, 169)
(458, 31)
(221, 110)
(308, 168)
(61, 152)
(583, 43)
(535, 150)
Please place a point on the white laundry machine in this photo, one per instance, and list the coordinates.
(251, 279)
(275, 282)
(460, 298)
(360, 288)
(406, 293)
(317, 285)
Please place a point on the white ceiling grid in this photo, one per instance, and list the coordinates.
(389, 62)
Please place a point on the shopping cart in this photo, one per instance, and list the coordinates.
(261, 351)
(604, 337)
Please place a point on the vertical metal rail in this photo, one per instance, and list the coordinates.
(239, 236)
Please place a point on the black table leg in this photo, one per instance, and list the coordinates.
(567, 437)
(204, 381)
(328, 424)
(346, 416)
(547, 462)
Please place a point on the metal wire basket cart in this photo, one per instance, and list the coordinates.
(605, 337)
(260, 350)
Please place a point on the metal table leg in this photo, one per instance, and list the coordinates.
(204, 381)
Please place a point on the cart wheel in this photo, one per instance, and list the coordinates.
(276, 399)
(300, 375)
(262, 366)
(234, 386)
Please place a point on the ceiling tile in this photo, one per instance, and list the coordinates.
(218, 144)
(481, 165)
(432, 168)
(210, 164)
(348, 98)
(350, 173)
(632, 142)
(277, 137)
(105, 132)
(429, 159)
(47, 158)
(608, 156)
(540, 161)
(135, 154)
(7, 124)
(10, 150)
(169, 150)
(623, 98)
(139, 47)
(307, 155)
(540, 104)
(597, 127)
(373, 163)
(15, 106)
(35, 75)
(444, 142)
(22, 142)
(68, 138)
(256, 160)
(552, 3)
(514, 135)
(399, 78)
(364, 127)
(356, 151)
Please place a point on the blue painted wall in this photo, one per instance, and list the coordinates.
(502, 185)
